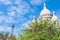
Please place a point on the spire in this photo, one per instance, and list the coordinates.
(44, 5)
(53, 12)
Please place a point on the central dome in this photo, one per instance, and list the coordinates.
(45, 11)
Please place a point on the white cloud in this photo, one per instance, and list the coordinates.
(37, 2)
(7, 19)
(5, 28)
(25, 25)
(17, 2)
(21, 8)
(1, 18)
(12, 13)
(6, 2)
(8, 29)
(2, 28)
(12, 8)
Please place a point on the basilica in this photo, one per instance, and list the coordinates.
(45, 13)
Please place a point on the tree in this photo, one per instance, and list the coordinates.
(41, 30)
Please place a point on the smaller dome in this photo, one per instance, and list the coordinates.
(54, 18)
(45, 11)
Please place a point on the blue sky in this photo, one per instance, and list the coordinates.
(21, 12)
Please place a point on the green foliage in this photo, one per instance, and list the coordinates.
(41, 30)
(13, 38)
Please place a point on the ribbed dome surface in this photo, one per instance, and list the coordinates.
(44, 12)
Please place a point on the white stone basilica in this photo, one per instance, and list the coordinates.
(45, 13)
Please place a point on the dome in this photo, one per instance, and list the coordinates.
(54, 18)
(45, 11)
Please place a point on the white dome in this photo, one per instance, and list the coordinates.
(45, 11)
(54, 18)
